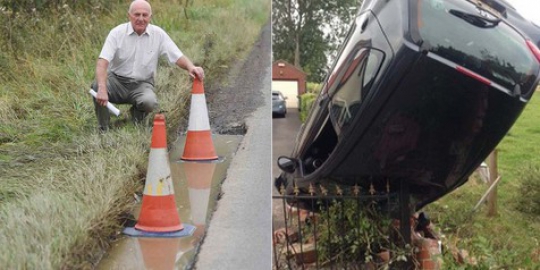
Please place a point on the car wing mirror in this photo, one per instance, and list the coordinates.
(287, 164)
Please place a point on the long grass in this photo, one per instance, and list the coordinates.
(64, 188)
(508, 240)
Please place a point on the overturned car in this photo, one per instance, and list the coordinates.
(420, 93)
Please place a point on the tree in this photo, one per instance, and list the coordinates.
(306, 32)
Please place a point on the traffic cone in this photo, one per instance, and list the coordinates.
(199, 179)
(158, 216)
(199, 144)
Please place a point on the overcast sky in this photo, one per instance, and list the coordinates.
(530, 9)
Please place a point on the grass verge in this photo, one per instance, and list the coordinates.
(63, 187)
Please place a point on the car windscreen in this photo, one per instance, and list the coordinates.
(477, 40)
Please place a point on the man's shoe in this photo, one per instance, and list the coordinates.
(137, 116)
(103, 130)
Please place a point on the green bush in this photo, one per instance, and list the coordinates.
(314, 88)
(529, 201)
(306, 101)
(350, 231)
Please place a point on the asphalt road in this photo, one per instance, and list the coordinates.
(239, 233)
(284, 132)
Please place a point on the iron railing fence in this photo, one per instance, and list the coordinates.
(349, 229)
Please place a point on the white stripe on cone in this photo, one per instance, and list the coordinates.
(198, 119)
(158, 177)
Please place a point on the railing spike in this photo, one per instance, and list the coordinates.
(324, 191)
(339, 191)
(311, 189)
(372, 189)
(356, 190)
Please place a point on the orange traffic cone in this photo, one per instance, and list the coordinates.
(199, 144)
(199, 179)
(158, 216)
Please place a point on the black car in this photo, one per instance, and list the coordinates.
(420, 93)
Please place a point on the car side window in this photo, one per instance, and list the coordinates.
(354, 86)
(277, 96)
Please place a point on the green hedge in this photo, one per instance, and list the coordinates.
(313, 87)
(306, 101)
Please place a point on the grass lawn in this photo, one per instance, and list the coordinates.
(507, 240)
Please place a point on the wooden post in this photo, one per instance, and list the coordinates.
(493, 175)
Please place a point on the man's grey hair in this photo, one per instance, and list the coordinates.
(135, 1)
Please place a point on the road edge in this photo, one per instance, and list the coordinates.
(239, 233)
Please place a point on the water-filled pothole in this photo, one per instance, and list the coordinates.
(197, 188)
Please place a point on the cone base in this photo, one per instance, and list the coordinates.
(187, 231)
(199, 146)
(159, 214)
(209, 158)
(160, 229)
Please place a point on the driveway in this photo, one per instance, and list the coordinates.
(284, 132)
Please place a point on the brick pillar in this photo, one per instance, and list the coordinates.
(429, 255)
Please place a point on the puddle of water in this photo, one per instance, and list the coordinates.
(196, 188)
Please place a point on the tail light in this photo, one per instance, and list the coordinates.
(534, 49)
(473, 75)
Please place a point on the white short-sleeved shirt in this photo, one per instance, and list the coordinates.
(134, 56)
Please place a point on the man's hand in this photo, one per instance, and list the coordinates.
(102, 96)
(197, 72)
(194, 71)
